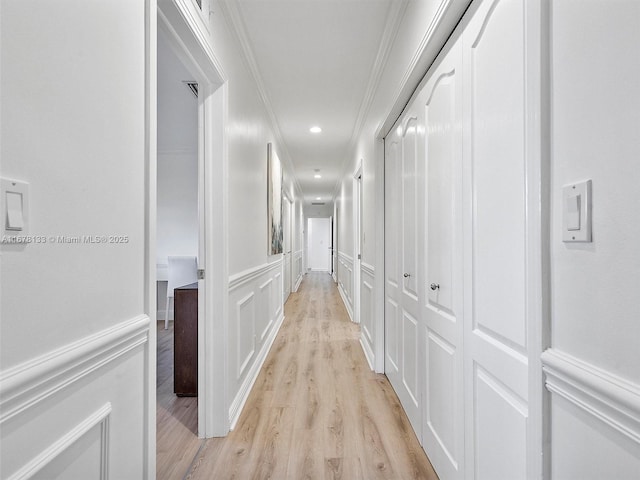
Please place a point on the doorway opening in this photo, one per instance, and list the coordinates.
(178, 236)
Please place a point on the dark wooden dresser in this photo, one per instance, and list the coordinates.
(185, 341)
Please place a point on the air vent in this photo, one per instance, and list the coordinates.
(317, 203)
(193, 86)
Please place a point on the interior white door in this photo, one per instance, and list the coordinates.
(443, 417)
(286, 248)
(501, 349)
(319, 241)
(392, 300)
(401, 286)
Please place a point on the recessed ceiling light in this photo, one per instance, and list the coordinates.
(318, 198)
(315, 129)
(317, 175)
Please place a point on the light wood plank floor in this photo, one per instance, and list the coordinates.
(316, 410)
(177, 417)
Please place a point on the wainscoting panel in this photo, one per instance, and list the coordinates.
(78, 411)
(257, 295)
(495, 404)
(297, 269)
(604, 402)
(246, 321)
(345, 281)
(595, 421)
(265, 305)
(367, 309)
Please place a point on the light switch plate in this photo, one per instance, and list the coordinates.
(14, 201)
(576, 212)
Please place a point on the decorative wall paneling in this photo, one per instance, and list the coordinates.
(595, 419)
(367, 309)
(345, 281)
(255, 300)
(69, 411)
(462, 249)
(608, 400)
(297, 269)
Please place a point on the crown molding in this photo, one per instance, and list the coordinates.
(231, 10)
(392, 25)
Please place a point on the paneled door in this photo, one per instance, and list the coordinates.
(443, 417)
(501, 48)
(402, 305)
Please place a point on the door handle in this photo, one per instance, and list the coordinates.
(434, 286)
(407, 275)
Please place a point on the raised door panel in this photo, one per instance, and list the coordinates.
(392, 209)
(392, 249)
(410, 208)
(496, 356)
(443, 427)
(411, 356)
(498, 166)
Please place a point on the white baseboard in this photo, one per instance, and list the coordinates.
(243, 394)
(347, 305)
(368, 353)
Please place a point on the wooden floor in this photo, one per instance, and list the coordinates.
(316, 410)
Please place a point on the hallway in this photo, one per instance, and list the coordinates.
(316, 410)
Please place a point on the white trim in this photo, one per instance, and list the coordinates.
(100, 417)
(346, 257)
(379, 284)
(394, 20)
(29, 383)
(248, 299)
(150, 227)
(189, 35)
(239, 279)
(368, 353)
(368, 269)
(601, 394)
(231, 10)
(193, 36)
(444, 21)
(252, 375)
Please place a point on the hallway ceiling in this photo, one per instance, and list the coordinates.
(315, 62)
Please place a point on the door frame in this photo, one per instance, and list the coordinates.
(290, 219)
(357, 240)
(184, 27)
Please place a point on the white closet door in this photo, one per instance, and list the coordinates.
(392, 300)
(443, 418)
(405, 147)
(498, 274)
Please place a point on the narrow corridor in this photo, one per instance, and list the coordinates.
(316, 411)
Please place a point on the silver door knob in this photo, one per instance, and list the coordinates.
(434, 286)
(407, 275)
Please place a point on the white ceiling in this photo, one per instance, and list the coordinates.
(314, 60)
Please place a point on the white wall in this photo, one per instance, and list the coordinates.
(255, 277)
(595, 120)
(177, 222)
(74, 334)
